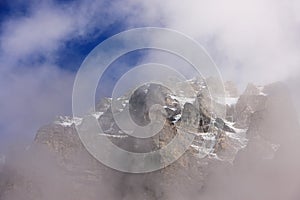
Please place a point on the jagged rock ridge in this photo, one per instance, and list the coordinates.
(216, 139)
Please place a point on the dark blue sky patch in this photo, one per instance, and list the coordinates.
(75, 50)
(13, 9)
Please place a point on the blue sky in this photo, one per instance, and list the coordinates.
(74, 49)
(43, 42)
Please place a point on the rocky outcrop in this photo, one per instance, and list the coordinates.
(217, 140)
(251, 101)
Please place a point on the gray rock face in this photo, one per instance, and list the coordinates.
(251, 101)
(143, 98)
(278, 109)
(103, 105)
(60, 139)
(194, 120)
(217, 141)
(190, 117)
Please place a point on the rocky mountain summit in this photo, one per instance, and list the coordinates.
(218, 141)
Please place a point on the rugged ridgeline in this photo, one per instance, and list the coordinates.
(256, 121)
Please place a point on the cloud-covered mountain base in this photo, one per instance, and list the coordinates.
(259, 163)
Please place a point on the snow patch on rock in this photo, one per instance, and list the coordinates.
(68, 121)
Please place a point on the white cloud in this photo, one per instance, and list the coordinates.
(41, 32)
(252, 40)
(48, 26)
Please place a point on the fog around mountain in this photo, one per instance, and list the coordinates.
(253, 151)
(252, 155)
